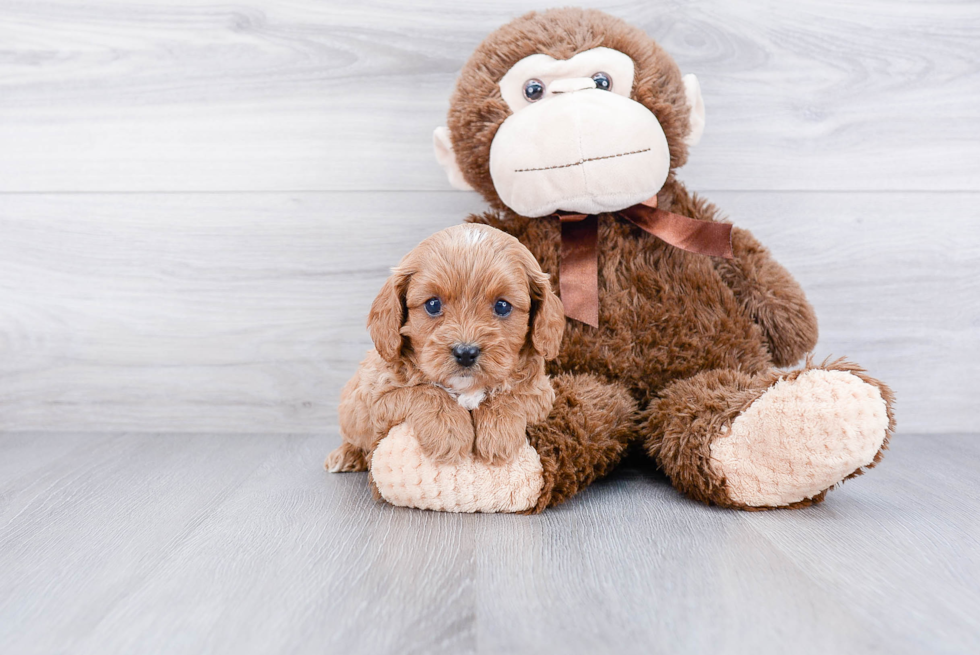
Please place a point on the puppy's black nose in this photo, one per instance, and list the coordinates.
(466, 354)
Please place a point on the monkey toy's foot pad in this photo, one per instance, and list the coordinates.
(800, 438)
(405, 476)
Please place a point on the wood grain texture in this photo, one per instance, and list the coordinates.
(242, 544)
(116, 95)
(198, 203)
(245, 312)
(214, 312)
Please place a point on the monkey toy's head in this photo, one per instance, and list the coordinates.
(570, 110)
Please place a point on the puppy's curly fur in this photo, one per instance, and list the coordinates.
(412, 375)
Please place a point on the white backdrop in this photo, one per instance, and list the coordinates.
(199, 201)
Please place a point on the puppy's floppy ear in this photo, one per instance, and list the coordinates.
(547, 312)
(388, 313)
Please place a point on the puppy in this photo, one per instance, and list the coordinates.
(461, 330)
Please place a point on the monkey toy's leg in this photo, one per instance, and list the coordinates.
(777, 439)
(584, 436)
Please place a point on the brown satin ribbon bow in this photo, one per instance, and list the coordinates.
(579, 254)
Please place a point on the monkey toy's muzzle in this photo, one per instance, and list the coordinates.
(589, 151)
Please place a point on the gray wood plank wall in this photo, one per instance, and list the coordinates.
(198, 201)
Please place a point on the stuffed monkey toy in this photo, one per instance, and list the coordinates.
(572, 124)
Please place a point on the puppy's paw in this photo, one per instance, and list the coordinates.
(500, 442)
(447, 438)
(346, 458)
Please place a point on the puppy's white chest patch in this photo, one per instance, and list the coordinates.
(468, 400)
(471, 399)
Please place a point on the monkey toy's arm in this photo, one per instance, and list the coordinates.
(773, 298)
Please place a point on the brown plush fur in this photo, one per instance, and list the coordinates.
(412, 376)
(666, 314)
(694, 340)
(583, 438)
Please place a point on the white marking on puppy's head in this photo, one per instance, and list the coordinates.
(474, 235)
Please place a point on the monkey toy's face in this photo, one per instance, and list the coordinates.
(575, 140)
(578, 132)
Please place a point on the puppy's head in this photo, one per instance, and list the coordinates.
(469, 306)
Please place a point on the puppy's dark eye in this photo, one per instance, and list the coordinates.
(602, 81)
(433, 306)
(533, 90)
(502, 308)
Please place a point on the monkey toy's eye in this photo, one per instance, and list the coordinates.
(533, 90)
(602, 81)
(433, 306)
(502, 308)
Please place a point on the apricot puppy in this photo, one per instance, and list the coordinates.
(461, 330)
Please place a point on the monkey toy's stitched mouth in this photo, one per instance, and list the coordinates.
(581, 161)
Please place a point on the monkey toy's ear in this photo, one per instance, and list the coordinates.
(692, 89)
(447, 158)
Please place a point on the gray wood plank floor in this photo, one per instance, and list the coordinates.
(177, 543)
